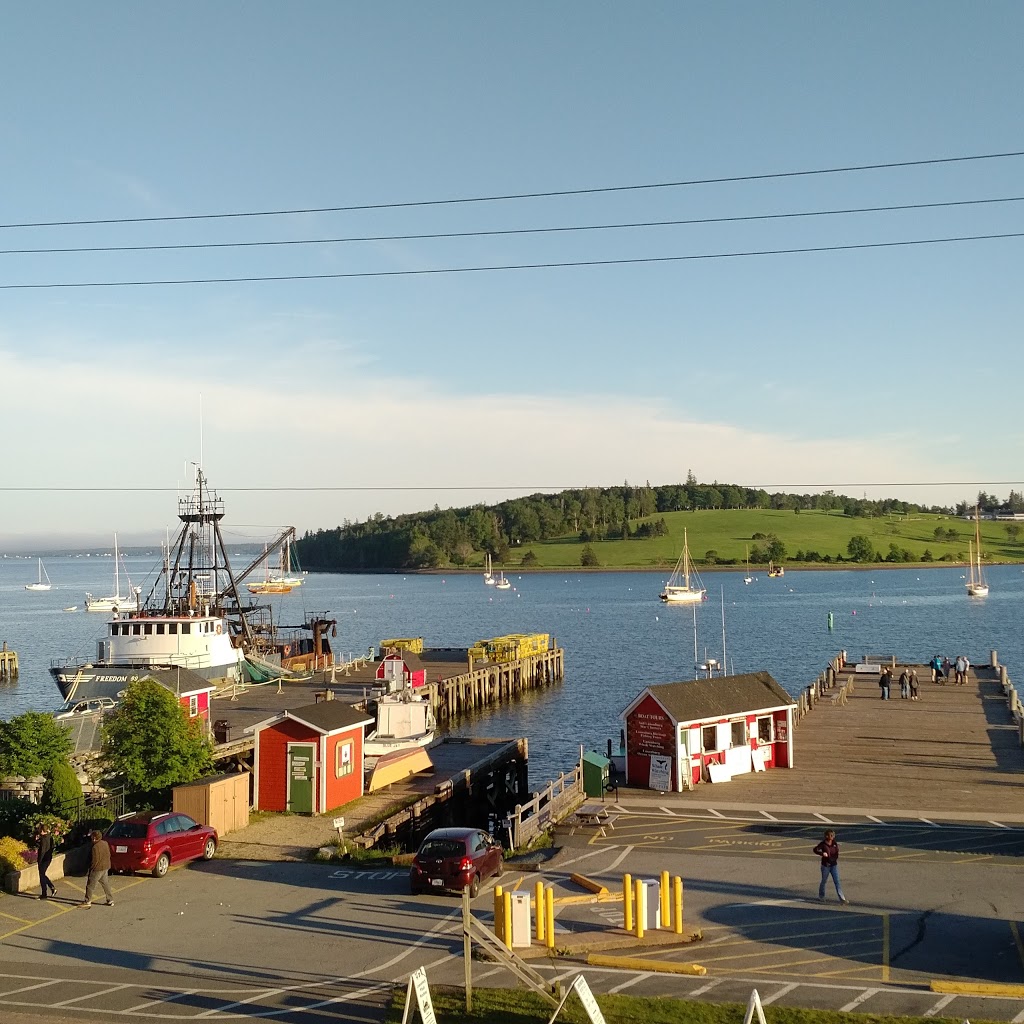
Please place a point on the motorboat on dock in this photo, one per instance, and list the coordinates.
(404, 719)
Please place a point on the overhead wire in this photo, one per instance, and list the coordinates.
(507, 197)
(499, 232)
(438, 271)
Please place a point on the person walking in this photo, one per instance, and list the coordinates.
(828, 851)
(936, 666)
(99, 867)
(904, 685)
(884, 682)
(914, 684)
(44, 857)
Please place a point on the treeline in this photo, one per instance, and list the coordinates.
(441, 537)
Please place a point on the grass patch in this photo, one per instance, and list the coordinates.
(516, 1006)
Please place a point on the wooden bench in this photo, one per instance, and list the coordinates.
(839, 697)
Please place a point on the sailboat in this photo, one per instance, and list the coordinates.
(775, 570)
(748, 578)
(286, 577)
(270, 584)
(501, 583)
(43, 582)
(678, 589)
(976, 585)
(117, 601)
(488, 575)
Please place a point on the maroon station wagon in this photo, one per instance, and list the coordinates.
(455, 859)
(153, 842)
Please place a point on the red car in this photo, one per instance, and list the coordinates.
(455, 858)
(153, 842)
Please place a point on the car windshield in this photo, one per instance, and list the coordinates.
(442, 848)
(127, 830)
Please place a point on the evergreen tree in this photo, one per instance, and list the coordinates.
(62, 792)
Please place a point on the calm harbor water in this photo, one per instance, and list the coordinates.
(617, 636)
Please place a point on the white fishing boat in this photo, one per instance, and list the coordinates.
(501, 583)
(488, 575)
(116, 602)
(43, 582)
(976, 585)
(404, 720)
(679, 590)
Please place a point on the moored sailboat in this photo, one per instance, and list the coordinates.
(43, 582)
(678, 589)
(976, 585)
(116, 602)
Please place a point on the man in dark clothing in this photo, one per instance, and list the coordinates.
(99, 866)
(884, 682)
(44, 856)
(828, 851)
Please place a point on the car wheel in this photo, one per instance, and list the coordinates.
(501, 867)
(162, 865)
(474, 887)
(210, 848)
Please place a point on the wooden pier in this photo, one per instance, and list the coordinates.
(8, 663)
(957, 750)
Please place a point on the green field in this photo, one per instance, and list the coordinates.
(728, 532)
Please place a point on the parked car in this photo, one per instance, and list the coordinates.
(455, 859)
(153, 842)
(95, 706)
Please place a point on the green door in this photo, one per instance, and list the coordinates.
(300, 777)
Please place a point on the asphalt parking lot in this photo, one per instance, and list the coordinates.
(307, 942)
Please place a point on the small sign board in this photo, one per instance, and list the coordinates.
(339, 822)
(660, 777)
(420, 990)
(582, 989)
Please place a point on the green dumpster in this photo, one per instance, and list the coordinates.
(596, 770)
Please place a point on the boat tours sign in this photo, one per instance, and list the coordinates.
(650, 731)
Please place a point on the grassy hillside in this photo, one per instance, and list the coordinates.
(729, 531)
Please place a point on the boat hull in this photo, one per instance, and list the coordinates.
(378, 748)
(69, 678)
(672, 595)
(977, 590)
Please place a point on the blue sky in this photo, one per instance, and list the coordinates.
(842, 368)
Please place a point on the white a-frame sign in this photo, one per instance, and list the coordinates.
(419, 990)
(582, 989)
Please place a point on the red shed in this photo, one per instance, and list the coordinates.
(678, 734)
(401, 670)
(310, 760)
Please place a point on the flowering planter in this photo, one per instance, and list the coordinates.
(74, 862)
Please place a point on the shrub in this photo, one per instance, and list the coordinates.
(62, 792)
(588, 557)
(12, 855)
(31, 743)
(36, 824)
(14, 815)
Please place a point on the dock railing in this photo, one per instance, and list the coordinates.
(826, 685)
(1013, 701)
(557, 799)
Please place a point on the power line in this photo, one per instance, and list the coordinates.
(364, 488)
(436, 271)
(559, 229)
(853, 168)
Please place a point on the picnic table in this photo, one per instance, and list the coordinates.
(595, 816)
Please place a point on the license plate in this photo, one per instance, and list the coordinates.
(120, 849)
(437, 881)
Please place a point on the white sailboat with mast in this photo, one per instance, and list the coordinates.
(43, 583)
(116, 601)
(678, 589)
(748, 578)
(488, 575)
(976, 585)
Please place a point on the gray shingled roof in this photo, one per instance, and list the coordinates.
(331, 715)
(722, 697)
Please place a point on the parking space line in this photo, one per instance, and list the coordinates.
(941, 1004)
(91, 995)
(717, 814)
(998, 824)
(13, 917)
(828, 821)
(159, 1002)
(671, 814)
(777, 995)
(863, 997)
(703, 988)
(621, 857)
(879, 820)
(770, 817)
(1019, 1019)
(642, 976)
(29, 988)
(42, 920)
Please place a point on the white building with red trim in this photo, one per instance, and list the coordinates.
(679, 734)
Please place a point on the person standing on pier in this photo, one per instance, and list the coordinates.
(828, 851)
(885, 681)
(904, 685)
(914, 693)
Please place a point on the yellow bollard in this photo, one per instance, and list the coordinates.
(506, 918)
(677, 901)
(627, 902)
(499, 906)
(639, 909)
(549, 916)
(663, 891)
(538, 899)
